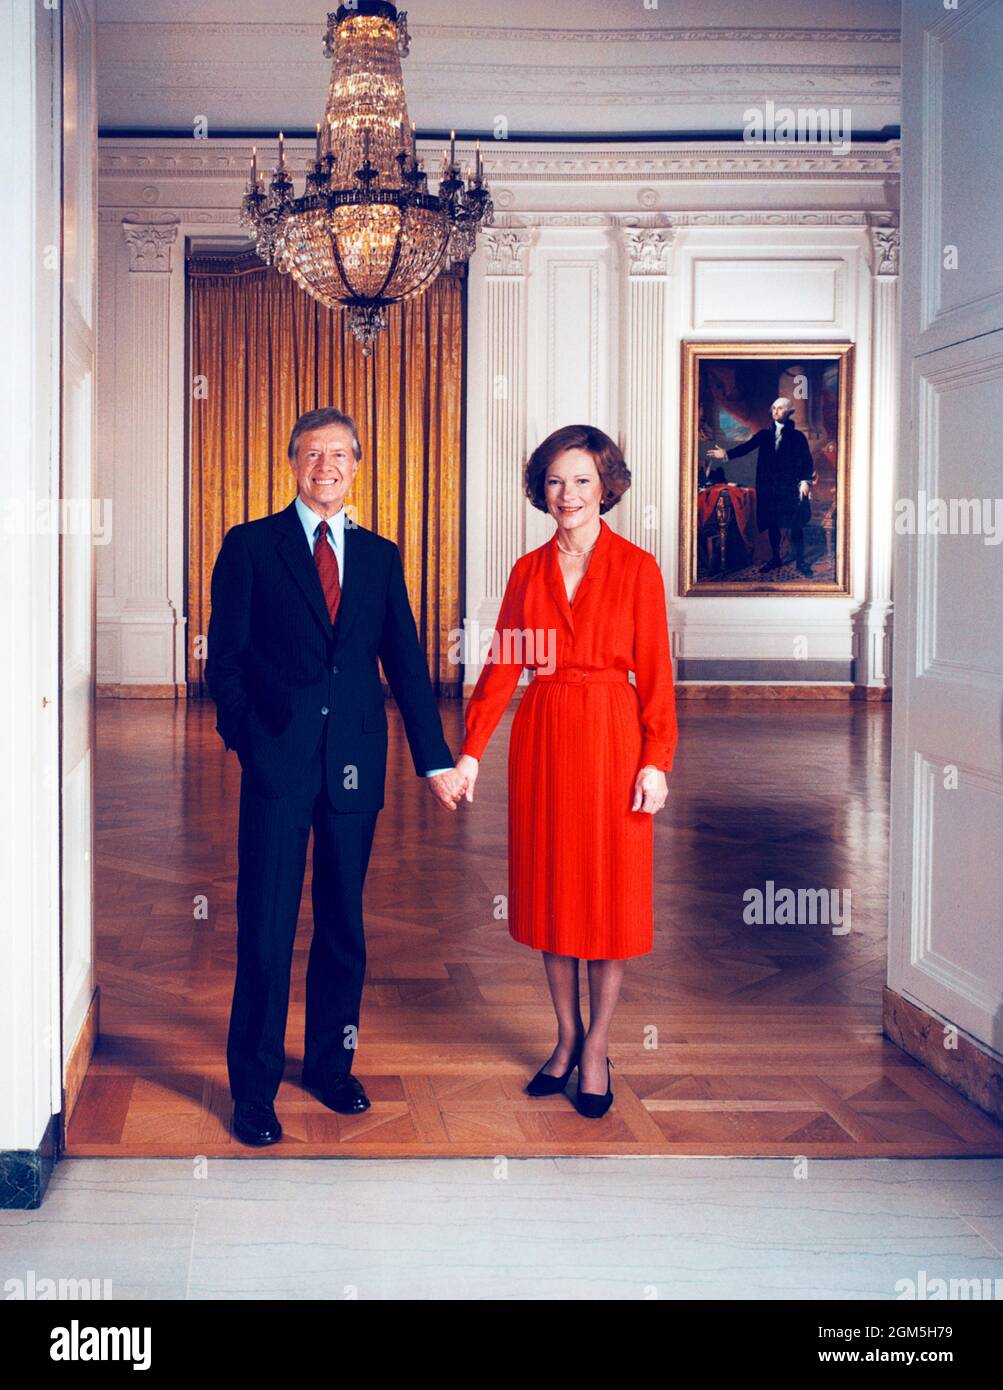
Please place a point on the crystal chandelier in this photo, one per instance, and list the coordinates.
(367, 232)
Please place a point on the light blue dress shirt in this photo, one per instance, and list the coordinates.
(336, 540)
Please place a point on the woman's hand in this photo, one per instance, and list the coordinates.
(467, 767)
(650, 790)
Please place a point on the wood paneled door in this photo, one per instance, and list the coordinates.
(946, 923)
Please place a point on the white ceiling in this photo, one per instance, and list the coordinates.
(548, 66)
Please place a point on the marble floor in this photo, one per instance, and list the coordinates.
(517, 1229)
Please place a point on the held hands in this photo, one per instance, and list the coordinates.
(650, 787)
(650, 790)
(449, 786)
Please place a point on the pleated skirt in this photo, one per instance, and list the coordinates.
(580, 860)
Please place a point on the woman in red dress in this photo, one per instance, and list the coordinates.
(588, 751)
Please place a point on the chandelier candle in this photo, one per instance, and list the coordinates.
(367, 232)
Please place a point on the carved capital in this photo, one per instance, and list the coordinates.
(505, 249)
(150, 244)
(647, 249)
(884, 233)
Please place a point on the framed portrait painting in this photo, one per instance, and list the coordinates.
(764, 459)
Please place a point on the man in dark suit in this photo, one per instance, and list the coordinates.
(303, 603)
(784, 472)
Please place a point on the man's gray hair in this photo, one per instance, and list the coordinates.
(320, 419)
(784, 400)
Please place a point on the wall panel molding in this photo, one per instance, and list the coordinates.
(578, 298)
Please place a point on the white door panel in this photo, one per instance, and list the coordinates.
(946, 898)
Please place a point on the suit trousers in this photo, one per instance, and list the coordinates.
(271, 863)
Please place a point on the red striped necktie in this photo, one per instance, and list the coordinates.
(327, 568)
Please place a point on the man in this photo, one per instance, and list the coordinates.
(784, 471)
(303, 603)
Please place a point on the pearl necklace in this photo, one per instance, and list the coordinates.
(579, 553)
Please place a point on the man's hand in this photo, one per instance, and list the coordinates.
(650, 790)
(716, 452)
(805, 489)
(447, 788)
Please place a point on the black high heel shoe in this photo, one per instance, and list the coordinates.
(543, 1084)
(590, 1103)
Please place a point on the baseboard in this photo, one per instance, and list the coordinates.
(80, 1054)
(725, 690)
(723, 670)
(25, 1173)
(143, 692)
(708, 690)
(972, 1068)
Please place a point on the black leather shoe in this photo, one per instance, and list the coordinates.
(255, 1122)
(804, 569)
(342, 1093)
(775, 564)
(543, 1084)
(590, 1103)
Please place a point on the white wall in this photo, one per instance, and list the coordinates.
(29, 620)
(579, 298)
(599, 301)
(80, 543)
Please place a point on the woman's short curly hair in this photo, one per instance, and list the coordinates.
(613, 472)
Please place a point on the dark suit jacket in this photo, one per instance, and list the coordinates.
(278, 671)
(778, 473)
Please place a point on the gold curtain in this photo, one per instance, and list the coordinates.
(262, 353)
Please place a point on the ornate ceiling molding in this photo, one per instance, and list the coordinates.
(668, 224)
(134, 78)
(513, 222)
(115, 32)
(474, 34)
(120, 158)
(644, 98)
(647, 75)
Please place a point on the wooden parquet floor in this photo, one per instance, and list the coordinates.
(768, 1038)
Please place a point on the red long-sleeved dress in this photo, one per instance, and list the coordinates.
(580, 860)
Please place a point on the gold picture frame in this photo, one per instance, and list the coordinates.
(722, 549)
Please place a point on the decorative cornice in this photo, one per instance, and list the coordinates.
(222, 217)
(617, 84)
(505, 248)
(119, 158)
(647, 249)
(669, 223)
(150, 244)
(750, 162)
(113, 32)
(215, 217)
(885, 240)
(769, 219)
(482, 34)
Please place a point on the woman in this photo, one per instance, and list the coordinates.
(588, 752)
